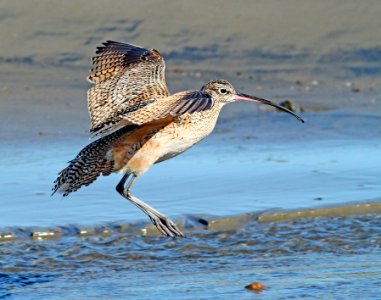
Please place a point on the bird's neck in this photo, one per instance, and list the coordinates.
(208, 118)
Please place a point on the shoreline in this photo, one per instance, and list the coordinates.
(191, 224)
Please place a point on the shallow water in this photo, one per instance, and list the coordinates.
(92, 240)
(247, 165)
(265, 198)
(318, 258)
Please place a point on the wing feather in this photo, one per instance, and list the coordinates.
(126, 78)
(174, 106)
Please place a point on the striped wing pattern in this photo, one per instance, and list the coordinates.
(90, 162)
(190, 103)
(126, 78)
(173, 106)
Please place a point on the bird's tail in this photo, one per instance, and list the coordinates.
(90, 162)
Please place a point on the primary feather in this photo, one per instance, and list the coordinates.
(126, 78)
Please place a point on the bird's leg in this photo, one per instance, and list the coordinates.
(162, 223)
(120, 186)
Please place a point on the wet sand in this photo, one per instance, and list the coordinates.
(295, 206)
(193, 224)
(326, 57)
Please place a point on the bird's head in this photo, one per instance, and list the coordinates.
(223, 92)
(220, 90)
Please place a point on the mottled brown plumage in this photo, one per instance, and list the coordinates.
(147, 126)
(126, 78)
(90, 162)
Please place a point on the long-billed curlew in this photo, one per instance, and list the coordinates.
(140, 124)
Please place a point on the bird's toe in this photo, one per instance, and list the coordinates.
(167, 227)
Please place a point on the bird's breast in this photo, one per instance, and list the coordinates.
(155, 143)
(183, 133)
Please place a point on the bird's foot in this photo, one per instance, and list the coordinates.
(166, 226)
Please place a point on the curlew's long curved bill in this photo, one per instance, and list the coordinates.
(244, 97)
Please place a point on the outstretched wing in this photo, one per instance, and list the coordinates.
(173, 106)
(126, 78)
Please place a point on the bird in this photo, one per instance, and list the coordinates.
(137, 123)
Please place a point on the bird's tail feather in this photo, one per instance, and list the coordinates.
(90, 162)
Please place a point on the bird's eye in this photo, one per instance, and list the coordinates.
(223, 91)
